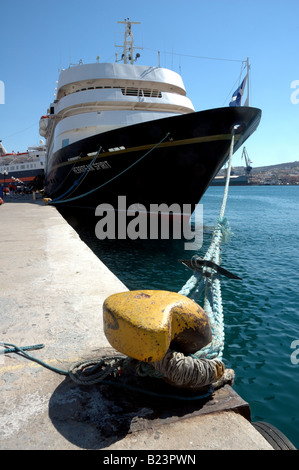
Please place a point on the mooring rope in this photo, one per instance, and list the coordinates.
(96, 371)
(111, 179)
(78, 182)
(204, 367)
(187, 372)
(184, 371)
(211, 284)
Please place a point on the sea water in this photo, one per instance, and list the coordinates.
(261, 311)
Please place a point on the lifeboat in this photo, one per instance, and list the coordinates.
(43, 125)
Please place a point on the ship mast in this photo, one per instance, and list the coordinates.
(128, 47)
(248, 84)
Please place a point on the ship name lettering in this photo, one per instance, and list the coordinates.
(95, 166)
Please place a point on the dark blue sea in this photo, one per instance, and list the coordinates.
(261, 311)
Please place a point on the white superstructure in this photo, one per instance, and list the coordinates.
(24, 162)
(95, 98)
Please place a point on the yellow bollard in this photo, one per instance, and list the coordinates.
(47, 200)
(144, 324)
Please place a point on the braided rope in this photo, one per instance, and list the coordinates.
(186, 372)
(213, 298)
(95, 371)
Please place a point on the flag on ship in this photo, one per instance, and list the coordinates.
(238, 94)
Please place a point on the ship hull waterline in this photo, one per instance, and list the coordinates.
(25, 177)
(170, 161)
(234, 181)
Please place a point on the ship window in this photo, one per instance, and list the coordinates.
(156, 94)
(65, 142)
(141, 92)
(114, 149)
(130, 91)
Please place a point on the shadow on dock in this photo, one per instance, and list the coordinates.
(100, 415)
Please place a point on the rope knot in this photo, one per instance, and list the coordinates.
(186, 372)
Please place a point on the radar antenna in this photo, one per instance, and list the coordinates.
(128, 47)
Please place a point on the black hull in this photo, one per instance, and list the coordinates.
(191, 150)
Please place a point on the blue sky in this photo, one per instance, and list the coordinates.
(39, 38)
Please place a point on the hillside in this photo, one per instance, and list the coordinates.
(283, 173)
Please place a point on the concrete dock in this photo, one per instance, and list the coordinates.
(52, 290)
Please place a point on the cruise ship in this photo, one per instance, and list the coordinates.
(23, 168)
(122, 129)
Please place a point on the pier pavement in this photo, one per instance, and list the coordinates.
(52, 291)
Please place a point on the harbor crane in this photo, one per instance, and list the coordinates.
(248, 162)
